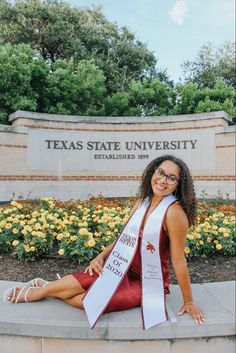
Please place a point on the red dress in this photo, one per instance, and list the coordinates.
(129, 293)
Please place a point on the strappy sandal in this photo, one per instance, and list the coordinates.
(34, 282)
(15, 299)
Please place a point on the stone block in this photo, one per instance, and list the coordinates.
(88, 346)
(211, 345)
(19, 344)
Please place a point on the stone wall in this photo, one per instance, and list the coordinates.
(39, 156)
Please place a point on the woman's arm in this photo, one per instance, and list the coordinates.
(177, 226)
(97, 263)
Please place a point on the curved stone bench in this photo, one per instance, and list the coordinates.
(52, 326)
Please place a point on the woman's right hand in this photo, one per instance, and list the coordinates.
(95, 265)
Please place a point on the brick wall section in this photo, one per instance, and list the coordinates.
(102, 178)
(13, 151)
(14, 159)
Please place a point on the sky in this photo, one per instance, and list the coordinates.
(174, 30)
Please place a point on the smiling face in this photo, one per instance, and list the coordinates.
(160, 186)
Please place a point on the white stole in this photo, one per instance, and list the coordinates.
(118, 262)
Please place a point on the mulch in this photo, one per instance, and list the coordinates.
(202, 270)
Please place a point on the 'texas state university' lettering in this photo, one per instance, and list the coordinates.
(117, 146)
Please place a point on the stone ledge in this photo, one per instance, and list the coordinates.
(118, 120)
(55, 319)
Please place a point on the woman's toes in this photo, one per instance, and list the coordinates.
(12, 295)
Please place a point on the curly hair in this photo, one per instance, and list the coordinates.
(185, 193)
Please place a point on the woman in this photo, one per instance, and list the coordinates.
(164, 177)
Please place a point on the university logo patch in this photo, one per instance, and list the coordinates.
(150, 247)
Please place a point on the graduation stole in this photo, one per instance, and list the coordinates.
(118, 262)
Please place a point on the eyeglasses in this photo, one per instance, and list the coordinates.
(171, 179)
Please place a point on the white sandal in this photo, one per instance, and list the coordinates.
(34, 282)
(14, 299)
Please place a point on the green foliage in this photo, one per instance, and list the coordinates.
(74, 61)
(74, 88)
(80, 230)
(211, 65)
(194, 100)
(215, 231)
(58, 31)
(21, 74)
(146, 97)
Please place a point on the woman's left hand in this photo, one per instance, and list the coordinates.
(193, 310)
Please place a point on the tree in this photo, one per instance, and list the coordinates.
(58, 31)
(212, 64)
(74, 89)
(143, 97)
(21, 76)
(191, 99)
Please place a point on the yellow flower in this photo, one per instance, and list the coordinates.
(8, 210)
(201, 242)
(222, 230)
(16, 204)
(35, 214)
(27, 248)
(40, 235)
(91, 242)
(61, 252)
(226, 235)
(111, 225)
(37, 226)
(8, 226)
(73, 237)
(15, 231)
(60, 236)
(83, 231)
(186, 250)
(219, 246)
(15, 242)
(190, 236)
(32, 248)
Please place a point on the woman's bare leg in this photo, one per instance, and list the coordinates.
(76, 301)
(64, 288)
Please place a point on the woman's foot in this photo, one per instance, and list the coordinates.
(38, 282)
(19, 294)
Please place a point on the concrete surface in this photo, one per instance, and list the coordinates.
(50, 325)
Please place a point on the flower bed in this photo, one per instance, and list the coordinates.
(80, 230)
